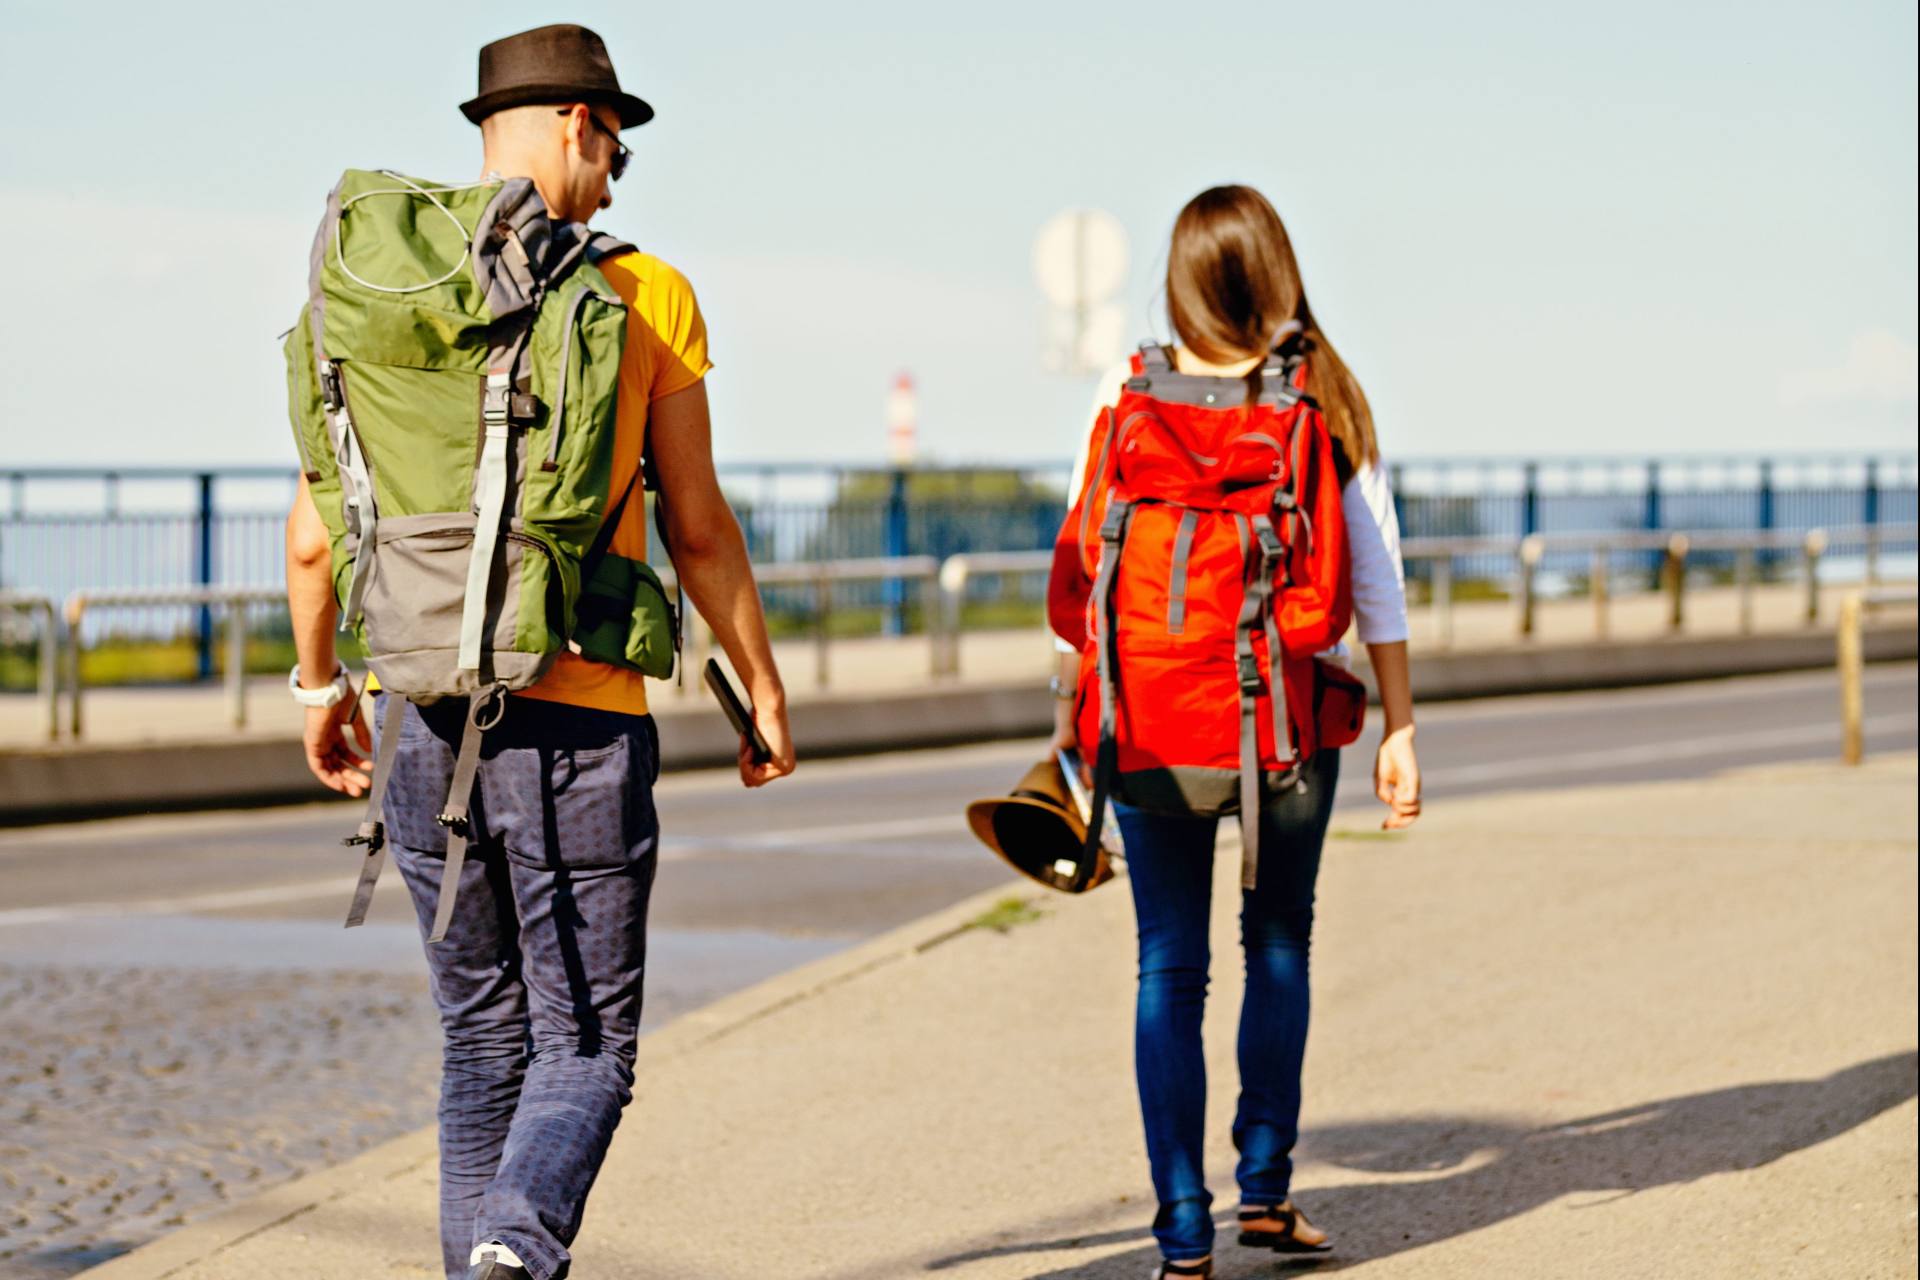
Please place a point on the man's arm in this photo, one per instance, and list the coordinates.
(710, 556)
(315, 613)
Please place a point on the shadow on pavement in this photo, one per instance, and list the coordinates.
(1501, 1170)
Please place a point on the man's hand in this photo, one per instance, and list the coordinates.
(329, 754)
(1396, 779)
(770, 717)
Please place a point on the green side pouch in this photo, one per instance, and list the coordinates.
(625, 619)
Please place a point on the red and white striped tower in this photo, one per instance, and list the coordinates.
(902, 423)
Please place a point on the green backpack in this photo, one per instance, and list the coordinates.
(458, 363)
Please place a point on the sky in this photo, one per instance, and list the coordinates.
(1531, 229)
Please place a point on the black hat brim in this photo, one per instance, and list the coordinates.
(633, 111)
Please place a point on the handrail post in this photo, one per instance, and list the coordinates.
(203, 577)
(822, 612)
(1847, 646)
(931, 617)
(76, 612)
(1532, 548)
(1743, 566)
(1443, 601)
(1675, 572)
(1602, 566)
(1813, 547)
(237, 660)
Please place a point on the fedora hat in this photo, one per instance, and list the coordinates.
(561, 63)
(1038, 830)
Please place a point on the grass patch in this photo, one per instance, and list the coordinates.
(1007, 914)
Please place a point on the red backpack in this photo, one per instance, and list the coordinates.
(1207, 536)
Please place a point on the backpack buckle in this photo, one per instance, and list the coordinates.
(454, 822)
(497, 403)
(330, 384)
(373, 837)
(1115, 522)
(1249, 670)
(1272, 550)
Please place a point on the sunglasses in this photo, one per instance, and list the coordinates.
(621, 152)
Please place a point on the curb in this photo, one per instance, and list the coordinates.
(199, 1241)
(63, 784)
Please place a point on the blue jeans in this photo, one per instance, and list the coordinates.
(1170, 866)
(538, 981)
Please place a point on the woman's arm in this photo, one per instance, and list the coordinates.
(1066, 656)
(1380, 614)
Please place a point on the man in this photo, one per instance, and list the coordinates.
(538, 980)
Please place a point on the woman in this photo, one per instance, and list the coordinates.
(1233, 289)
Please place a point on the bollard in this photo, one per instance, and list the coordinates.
(823, 617)
(76, 610)
(1532, 548)
(1674, 571)
(1814, 547)
(931, 607)
(952, 582)
(1743, 583)
(1873, 555)
(1598, 573)
(50, 668)
(237, 663)
(1443, 602)
(1847, 646)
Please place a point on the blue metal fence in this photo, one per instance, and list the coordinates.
(62, 529)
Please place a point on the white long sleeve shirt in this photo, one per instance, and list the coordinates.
(1373, 532)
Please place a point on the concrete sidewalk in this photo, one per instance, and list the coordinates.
(1660, 1030)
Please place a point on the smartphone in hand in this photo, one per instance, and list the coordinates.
(738, 712)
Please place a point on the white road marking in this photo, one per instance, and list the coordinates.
(951, 824)
(342, 885)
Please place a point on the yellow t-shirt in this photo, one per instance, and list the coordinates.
(666, 352)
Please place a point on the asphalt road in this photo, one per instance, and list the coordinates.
(154, 971)
(841, 850)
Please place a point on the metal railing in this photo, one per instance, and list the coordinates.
(1673, 549)
(47, 644)
(234, 598)
(944, 587)
(822, 576)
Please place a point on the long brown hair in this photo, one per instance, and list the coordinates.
(1233, 283)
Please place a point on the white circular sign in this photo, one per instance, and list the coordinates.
(1080, 257)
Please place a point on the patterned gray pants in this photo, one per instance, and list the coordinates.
(538, 980)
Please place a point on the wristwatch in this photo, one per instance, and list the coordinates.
(1060, 688)
(329, 695)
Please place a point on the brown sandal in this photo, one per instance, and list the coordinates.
(1284, 1240)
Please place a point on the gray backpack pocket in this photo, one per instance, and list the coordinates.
(625, 619)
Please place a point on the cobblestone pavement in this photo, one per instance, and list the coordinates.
(132, 1100)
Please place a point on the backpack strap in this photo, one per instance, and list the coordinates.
(490, 487)
(358, 508)
(559, 416)
(1113, 538)
(600, 246)
(373, 830)
(484, 711)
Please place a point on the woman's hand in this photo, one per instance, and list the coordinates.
(1396, 779)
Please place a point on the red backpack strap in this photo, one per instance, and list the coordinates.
(1266, 555)
(1113, 538)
